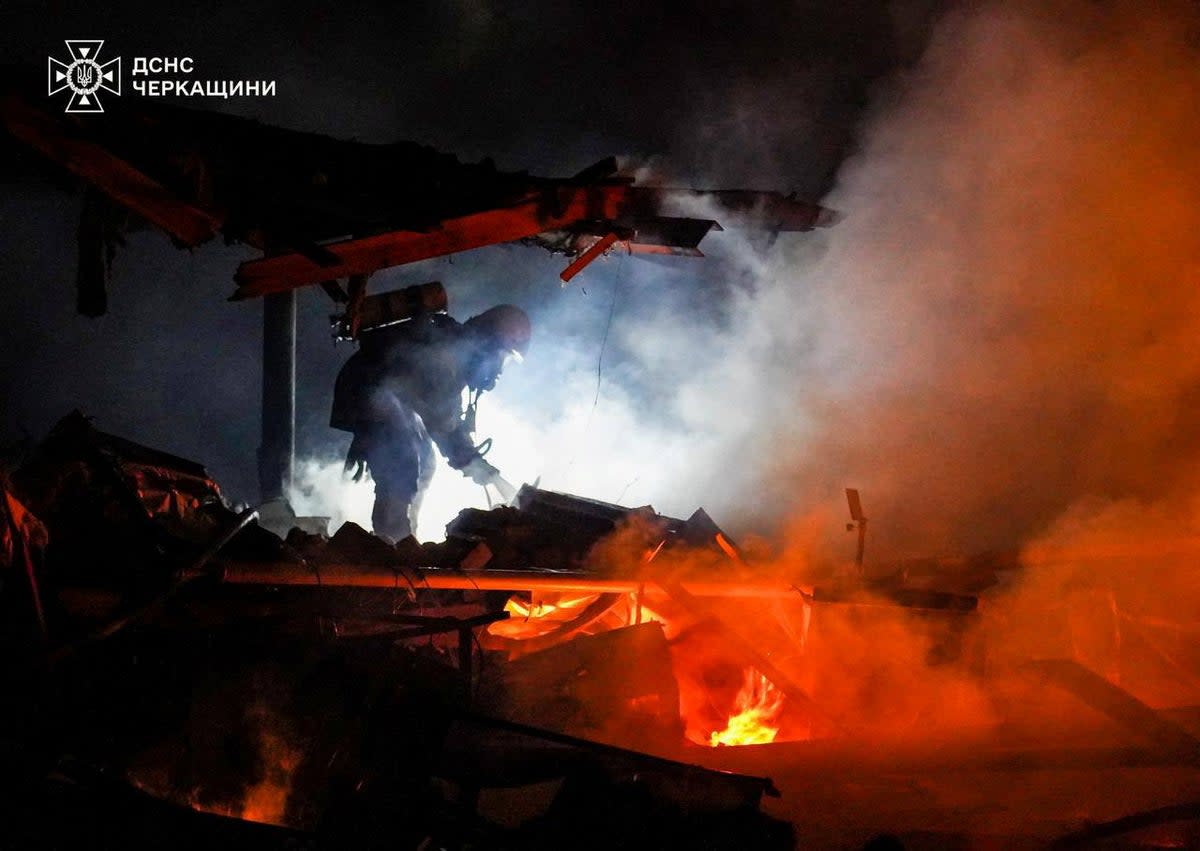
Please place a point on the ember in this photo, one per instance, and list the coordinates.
(266, 801)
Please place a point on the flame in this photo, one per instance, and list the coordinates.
(757, 706)
(530, 616)
(537, 615)
(756, 717)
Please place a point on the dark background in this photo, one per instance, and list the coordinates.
(720, 94)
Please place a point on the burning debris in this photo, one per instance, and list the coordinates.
(262, 638)
(560, 664)
(562, 671)
(756, 718)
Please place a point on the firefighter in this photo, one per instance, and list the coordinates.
(400, 395)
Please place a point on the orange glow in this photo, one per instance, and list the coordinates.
(720, 702)
(645, 614)
(542, 612)
(727, 547)
(266, 800)
(756, 717)
(535, 614)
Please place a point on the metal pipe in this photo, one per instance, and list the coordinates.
(198, 568)
(367, 576)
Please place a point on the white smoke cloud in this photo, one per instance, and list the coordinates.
(1001, 325)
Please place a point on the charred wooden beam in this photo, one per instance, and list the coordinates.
(334, 290)
(557, 208)
(1117, 704)
(1093, 835)
(492, 751)
(416, 626)
(845, 757)
(112, 175)
(617, 685)
(363, 256)
(587, 257)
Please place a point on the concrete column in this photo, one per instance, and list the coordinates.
(277, 451)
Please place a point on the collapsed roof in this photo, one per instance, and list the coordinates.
(324, 209)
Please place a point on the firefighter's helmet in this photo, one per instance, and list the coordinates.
(505, 325)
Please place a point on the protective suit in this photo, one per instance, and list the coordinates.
(401, 395)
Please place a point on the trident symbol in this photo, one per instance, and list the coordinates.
(85, 75)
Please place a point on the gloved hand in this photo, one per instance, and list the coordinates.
(356, 457)
(480, 471)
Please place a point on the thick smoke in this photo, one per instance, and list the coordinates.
(995, 345)
(1001, 326)
(1003, 323)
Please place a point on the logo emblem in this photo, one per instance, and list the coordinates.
(85, 76)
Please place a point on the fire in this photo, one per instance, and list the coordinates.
(756, 717)
(706, 691)
(529, 618)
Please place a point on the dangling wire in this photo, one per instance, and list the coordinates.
(612, 308)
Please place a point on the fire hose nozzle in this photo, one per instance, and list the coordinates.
(507, 492)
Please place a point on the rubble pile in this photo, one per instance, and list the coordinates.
(377, 712)
(557, 673)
